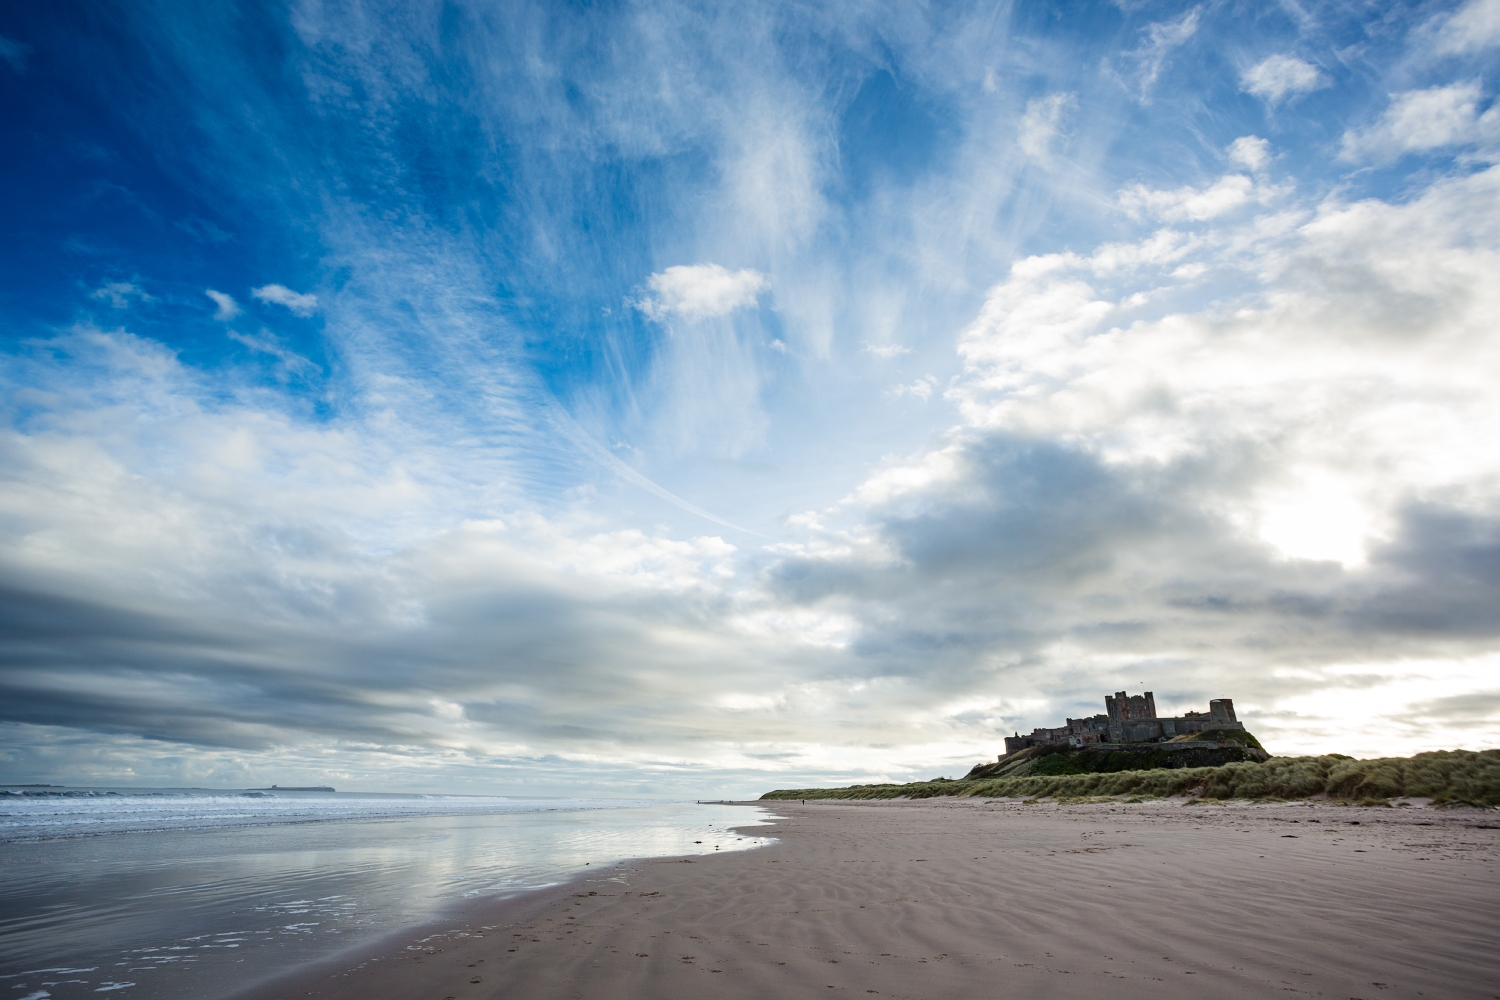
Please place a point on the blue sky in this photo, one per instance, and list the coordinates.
(681, 399)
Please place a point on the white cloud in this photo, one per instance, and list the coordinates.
(1041, 123)
(228, 308)
(1280, 76)
(268, 343)
(1141, 480)
(1357, 393)
(1188, 203)
(934, 471)
(1165, 246)
(700, 291)
(1423, 120)
(773, 176)
(1250, 152)
(303, 304)
(120, 293)
(1161, 38)
(920, 389)
(1474, 28)
(887, 350)
(638, 560)
(1215, 491)
(262, 520)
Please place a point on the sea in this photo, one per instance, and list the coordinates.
(177, 893)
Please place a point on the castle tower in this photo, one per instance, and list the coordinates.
(1124, 707)
(1132, 718)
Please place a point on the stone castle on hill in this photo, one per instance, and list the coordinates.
(1129, 719)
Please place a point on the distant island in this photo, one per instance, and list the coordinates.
(292, 788)
(1129, 751)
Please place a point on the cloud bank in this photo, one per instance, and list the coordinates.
(1083, 371)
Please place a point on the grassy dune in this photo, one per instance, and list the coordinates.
(1448, 777)
(1200, 750)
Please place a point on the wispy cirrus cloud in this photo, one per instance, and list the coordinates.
(14, 53)
(1202, 423)
(120, 294)
(1042, 123)
(921, 389)
(227, 309)
(300, 303)
(1472, 28)
(267, 342)
(1161, 39)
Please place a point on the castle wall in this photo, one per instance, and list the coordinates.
(1197, 722)
(1129, 719)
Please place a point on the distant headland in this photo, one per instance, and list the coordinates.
(292, 788)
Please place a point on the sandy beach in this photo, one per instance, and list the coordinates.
(962, 898)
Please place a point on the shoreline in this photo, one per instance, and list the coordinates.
(465, 918)
(966, 898)
(209, 912)
(460, 919)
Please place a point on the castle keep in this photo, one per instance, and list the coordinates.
(1128, 719)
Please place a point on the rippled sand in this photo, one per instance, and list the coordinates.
(967, 899)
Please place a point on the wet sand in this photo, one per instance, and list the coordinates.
(965, 899)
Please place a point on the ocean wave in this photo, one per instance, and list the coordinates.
(50, 814)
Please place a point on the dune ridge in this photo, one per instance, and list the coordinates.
(1444, 777)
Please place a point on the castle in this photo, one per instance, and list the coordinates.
(1129, 719)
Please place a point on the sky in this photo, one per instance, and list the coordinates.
(692, 399)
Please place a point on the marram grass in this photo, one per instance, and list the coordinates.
(1447, 777)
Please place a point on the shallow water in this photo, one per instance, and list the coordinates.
(223, 891)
